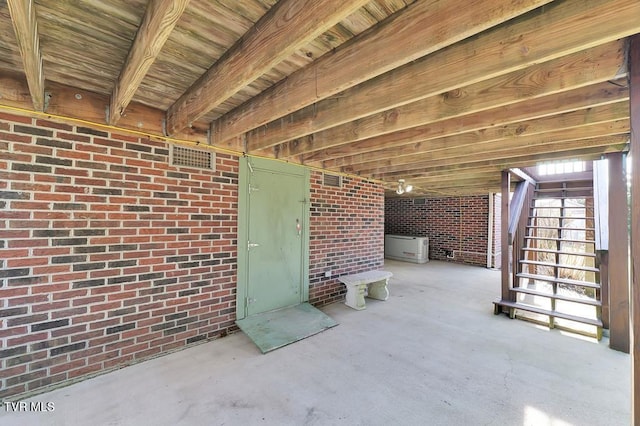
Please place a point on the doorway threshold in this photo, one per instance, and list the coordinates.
(275, 329)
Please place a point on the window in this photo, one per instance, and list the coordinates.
(561, 167)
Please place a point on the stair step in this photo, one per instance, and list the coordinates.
(564, 197)
(566, 240)
(577, 188)
(563, 228)
(560, 265)
(561, 207)
(565, 281)
(554, 314)
(562, 217)
(569, 253)
(587, 180)
(591, 302)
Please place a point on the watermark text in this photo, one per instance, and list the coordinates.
(29, 407)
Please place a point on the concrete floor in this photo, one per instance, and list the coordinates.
(433, 354)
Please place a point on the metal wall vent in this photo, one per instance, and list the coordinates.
(332, 180)
(419, 201)
(189, 157)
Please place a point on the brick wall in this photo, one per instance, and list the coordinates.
(347, 233)
(109, 255)
(454, 225)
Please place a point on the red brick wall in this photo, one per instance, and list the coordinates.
(347, 233)
(109, 255)
(458, 225)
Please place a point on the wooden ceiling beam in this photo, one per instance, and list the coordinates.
(158, 22)
(445, 172)
(457, 146)
(591, 66)
(584, 97)
(465, 186)
(287, 26)
(480, 182)
(505, 133)
(25, 25)
(442, 193)
(400, 39)
(469, 178)
(504, 155)
(526, 160)
(76, 104)
(556, 30)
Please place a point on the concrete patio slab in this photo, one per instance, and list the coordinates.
(432, 354)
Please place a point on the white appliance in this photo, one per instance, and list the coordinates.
(406, 248)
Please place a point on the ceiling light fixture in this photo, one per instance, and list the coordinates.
(402, 188)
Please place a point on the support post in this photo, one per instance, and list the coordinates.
(618, 255)
(603, 265)
(634, 102)
(504, 226)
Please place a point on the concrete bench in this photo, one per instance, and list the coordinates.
(371, 283)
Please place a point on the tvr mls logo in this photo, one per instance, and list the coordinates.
(29, 407)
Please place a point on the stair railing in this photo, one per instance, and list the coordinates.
(521, 231)
(518, 226)
(513, 241)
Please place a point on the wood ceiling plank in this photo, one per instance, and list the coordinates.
(25, 25)
(522, 161)
(505, 133)
(444, 172)
(596, 95)
(157, 24)
(434, 160)
(77, 104)
(558, 29)
(470, 177)
(399, 40)
(526, 160)
(285, 28)
(466, 186)
(591, 66)
(452, 147)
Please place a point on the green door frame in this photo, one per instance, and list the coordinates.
(247, 165)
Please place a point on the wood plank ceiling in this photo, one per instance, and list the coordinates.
(444, 94)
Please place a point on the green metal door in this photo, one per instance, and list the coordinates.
(273, 240)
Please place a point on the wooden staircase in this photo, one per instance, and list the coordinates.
(556, 280)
